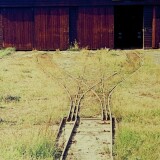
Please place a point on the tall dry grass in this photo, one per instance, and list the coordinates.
(32, 102)
(136, 105)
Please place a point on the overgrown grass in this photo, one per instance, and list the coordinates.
(7, 52)
(136, 104)
(137, 144)
(74, 47)
(27, 144)
(33, 101)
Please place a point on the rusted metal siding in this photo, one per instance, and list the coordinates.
(95, 27)
(51, 28)
(1, 30)
(148, 15)
(111, 27)
(156, 27)
(18, 28)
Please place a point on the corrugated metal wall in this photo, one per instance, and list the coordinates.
(1, 30)
(95, 27)
(47, 28)
(51, 28)
(18, 28)
(148, 15)
(153, 15)
(154, 28)
(39, 28)
(158, 26)
(111, 26)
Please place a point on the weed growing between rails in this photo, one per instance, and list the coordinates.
(122, 67)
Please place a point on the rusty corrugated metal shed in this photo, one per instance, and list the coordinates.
(51, 28)
(95, 27)
(1, 30)
(156, 27)
(53, 24)
(18, 28)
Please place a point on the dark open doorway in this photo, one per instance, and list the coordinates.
(128, 27)
(73, 18)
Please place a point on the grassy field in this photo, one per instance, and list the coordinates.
(33, 100)
(136, 105)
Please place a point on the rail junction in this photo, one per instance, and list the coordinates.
(80, 138)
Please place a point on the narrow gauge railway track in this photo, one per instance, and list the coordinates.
(84, 138)
(70, 124)
(90, 138)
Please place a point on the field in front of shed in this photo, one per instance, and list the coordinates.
(32, 101)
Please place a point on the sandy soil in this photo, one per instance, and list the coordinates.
(92, 140)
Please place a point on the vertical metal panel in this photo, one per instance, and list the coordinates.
(148, 15)
(154, 28)
(18, 28)
(111, 26)
(51, 28)
(64, 28)
(157, 26)
(1, 30)
(95, 27)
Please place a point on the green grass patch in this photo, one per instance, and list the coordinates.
(137, 144)
(7, 52)
(28, 144)
(136, 105)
